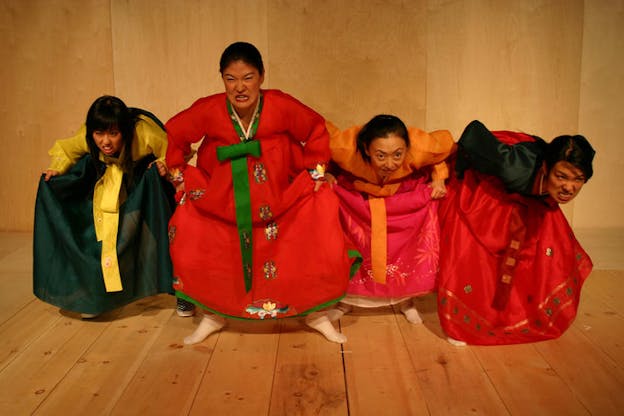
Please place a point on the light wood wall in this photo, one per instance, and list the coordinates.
(546, 67)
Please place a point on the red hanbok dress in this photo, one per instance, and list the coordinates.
(272, 246)
(393, 226)
(511, 270)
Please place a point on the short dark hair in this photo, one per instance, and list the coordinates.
(241, 51)
(382, 125)
(572, 149)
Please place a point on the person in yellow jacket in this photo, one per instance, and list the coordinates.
(100, 238)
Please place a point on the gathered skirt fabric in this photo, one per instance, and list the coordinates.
(412, 240)
(299, 257)
(511, 269)
(67, 269)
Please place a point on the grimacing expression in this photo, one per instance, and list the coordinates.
(242, 86)
(564, 181)
(387, 155)
(109, 142)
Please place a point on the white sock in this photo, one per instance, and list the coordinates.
(456, 342)
(320, 322)
(338, 312)
(210, 323)
(410, 312)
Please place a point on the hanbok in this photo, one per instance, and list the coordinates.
(101, 242)
(250, 237)
(511, 269)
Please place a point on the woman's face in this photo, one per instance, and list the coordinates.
(564, 182)
(387, 155)
(242, 86)
(108, 141)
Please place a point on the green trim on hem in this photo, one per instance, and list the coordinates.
(309, 311)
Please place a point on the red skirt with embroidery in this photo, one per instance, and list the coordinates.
(299, 256)
(511, 269)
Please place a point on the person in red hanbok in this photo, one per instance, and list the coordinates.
(256, 233)
(388, 180)
(511, 269)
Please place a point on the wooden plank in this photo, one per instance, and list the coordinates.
(526, 383)
(380, 377)
(451, 378)
(12, 242)
(24, 327)
(18, 297)
(99, 377)
(169, 377)
(599, 316)
(15, 273)
(34, 373)
(606, 284)
(427, 307)
(589, 374)
(603, 325)
(239, 377)
(49, 360)
(309, 377)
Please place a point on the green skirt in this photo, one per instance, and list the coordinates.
(67, 270)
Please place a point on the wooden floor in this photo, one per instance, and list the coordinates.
(132, 361)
